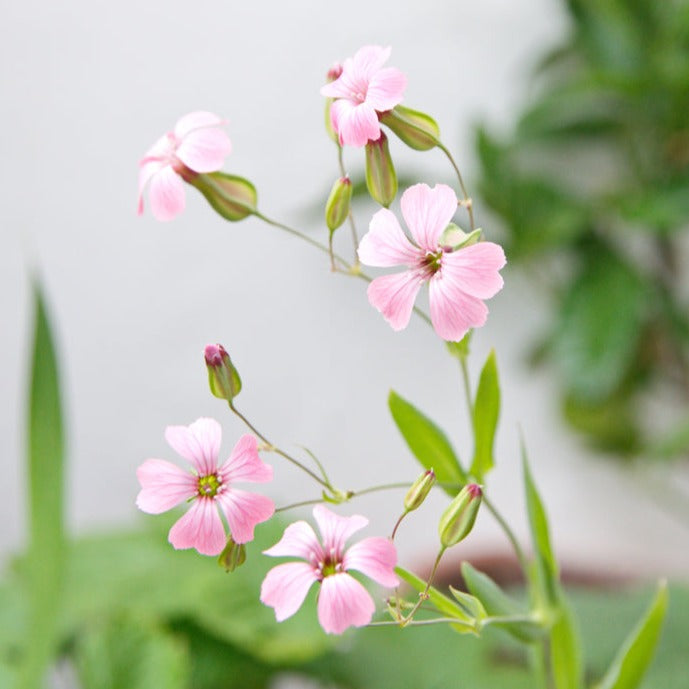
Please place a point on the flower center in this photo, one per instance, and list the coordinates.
(328, 566)
(209, 486)
(432, 262)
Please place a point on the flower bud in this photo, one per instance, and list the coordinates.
(223, 379)
(233, 556)
(454, 238)
(231, 196)
(414, 128)
(381, 178)
(458, 519)
(334, 72)
(337, 205)
(419, 490)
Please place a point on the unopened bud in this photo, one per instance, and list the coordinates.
(223, 379)
(419, 490)
(337, 205)
(381, 178)
(233, 556)
(233, 197)
(454, 238)
(458, 519)
(334, 72)
(418, 130)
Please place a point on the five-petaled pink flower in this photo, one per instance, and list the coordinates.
(196, 144)
(342, 601)
(209, 488)
(362, 90)
(458, 279)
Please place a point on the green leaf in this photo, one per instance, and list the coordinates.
(546, 567)
(428, 443)
(565, 649)
(46, 553)
(486, 413)
(498, 604)
(443, 604)
(633, 659)
(131, 653)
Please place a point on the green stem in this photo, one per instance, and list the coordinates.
(467, 389)
(350, 215)
(523, 563)
(424, 623)
(294, 505)
(424, 596)
(376, 489)
(538, 665)
(397, 523)
(282, 453)
(467, 199)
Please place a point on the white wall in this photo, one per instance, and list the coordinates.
(87, 86)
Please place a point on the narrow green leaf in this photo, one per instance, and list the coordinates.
(498, 604)
(428, 443)
(46, 553)
(472, 605)
(443, 604)
(546, 567)
(486, 413)
(565, 649)
(635, 655)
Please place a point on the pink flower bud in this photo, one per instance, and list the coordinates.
(419, 490)
(334, 72)
(458, 519)
(223, 379)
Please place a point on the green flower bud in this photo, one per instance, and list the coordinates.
(458, 519)
(414, 128)
(454, 237)
(419, 490)
(233, 556)
(337, 205)
(381, 178)
(231, 196)
(223, 379)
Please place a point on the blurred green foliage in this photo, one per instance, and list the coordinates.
(593, 189)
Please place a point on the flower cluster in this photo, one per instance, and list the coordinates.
(461, 273)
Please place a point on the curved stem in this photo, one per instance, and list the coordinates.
(467, 199)
(422, 623)
(350, 215)
(397, 523)
(423, 596)
(294, 505)
(376, 489)
(278, 451)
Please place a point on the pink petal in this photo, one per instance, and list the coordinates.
(244, 464)
(394, 295)
(163, 485)
(299, 540)
(367, 61)
(453, 312)
(356, 124)
(166, 194)
(198, 443)
(335, 530)
(385, 244)
(386, 88)
(474, 269)
(285, 588)
(146, 173)
(376, 558)
(204, 150)
(428, 212)
(196, 120)
(343, 602)
(243, 511)
(199, 528)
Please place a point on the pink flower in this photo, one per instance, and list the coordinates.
(362, 90)
(196, 144)
(458, 279)
(209, 488)
(342, 602)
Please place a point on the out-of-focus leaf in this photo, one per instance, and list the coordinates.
(600, 327)
(538, 525)
(662, 210)
(673, 443)
(565, 649)
(638, 650)
(427, 442)
(45, 562)
(486, 413)
(131, 653)
(610, 424)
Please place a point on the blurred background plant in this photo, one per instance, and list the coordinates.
(605, 233)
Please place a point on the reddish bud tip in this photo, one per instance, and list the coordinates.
(474, 490)
(334, 72)
(214, 354)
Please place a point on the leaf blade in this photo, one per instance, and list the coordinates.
(485, 417)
